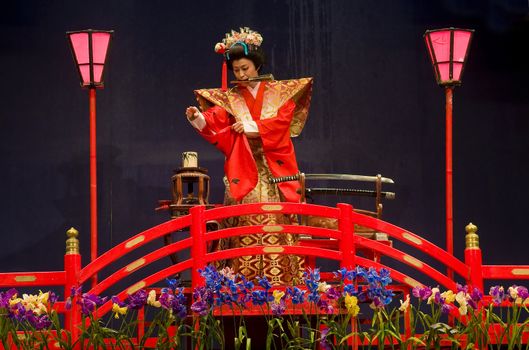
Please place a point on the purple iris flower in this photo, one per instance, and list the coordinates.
(345, 274)
(278, 309)
(476, 295)
(115, 300)
(497, 293)
(137, 300)
(332, 294)
(446, 308)
(5, 297)
(53, 297)
(200, 307)
(297, 295)
(40, 322)
(259, 297)
(173, 283)
(166, 300)
(522, 292)
(325, 306)
(422, 293)
(89, 302)
(461, 288)
(350, 289)
(324, 343)
(263, 282)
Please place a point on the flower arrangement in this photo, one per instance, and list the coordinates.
(322, 314)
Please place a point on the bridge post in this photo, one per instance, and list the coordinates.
(72, 268)
(198, 249)
(473, 258)
(345, 225)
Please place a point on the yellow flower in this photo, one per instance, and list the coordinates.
(463, 310)
(151, 299)
(14, 301)
(405, 304)
(117, 310)
(278, 295)
(448, 296)
(40, 308)
(43, 297)
(351, 303)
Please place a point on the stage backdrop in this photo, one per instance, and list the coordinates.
(376, 109)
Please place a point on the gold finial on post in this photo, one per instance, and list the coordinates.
(72, 243)
(471, 238)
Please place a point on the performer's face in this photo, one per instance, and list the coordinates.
(244, 68)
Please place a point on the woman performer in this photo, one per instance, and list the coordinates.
(251, 124)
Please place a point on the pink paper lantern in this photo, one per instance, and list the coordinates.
(448, 49)
(90, 49)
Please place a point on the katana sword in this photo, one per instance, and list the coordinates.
(348, 191)
(347, 177)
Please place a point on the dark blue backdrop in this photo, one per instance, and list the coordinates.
(376, 109)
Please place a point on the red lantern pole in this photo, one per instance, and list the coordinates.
(449, 182)
(89, 49)
(93, 180)
(448, 50)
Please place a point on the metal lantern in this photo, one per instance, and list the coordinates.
(90, 49)
(448, 49)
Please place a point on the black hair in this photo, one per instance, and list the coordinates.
(238, 51)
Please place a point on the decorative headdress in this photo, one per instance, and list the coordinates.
(247, 38)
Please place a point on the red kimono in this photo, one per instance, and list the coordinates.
(279, 111)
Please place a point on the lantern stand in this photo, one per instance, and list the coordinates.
(448, 50)
(90, 49)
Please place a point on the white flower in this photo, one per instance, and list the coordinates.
(323, 287)
(404, 305)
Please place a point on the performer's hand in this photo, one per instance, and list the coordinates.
(192, 113)
(238, 127)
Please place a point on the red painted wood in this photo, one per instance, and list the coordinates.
(121, 249)
(497, 272)
(47, 278)
(346, 243)
(257, 208)
(400, 256)
(474, 261)
(425, 246)
(149, 281)
(149, 258)
(72, 267)
(198, 249)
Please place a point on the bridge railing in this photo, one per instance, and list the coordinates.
(195, 238)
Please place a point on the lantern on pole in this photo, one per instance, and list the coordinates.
(448, 49)
(90, 50)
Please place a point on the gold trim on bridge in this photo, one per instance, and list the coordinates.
(272, 207)
(411, 238)
(272, 228)
(520, 272)
(134, 265)
(415, 262)
(273, 249)
(410, 281)
(136, 287)
(25, 278)
(134, 242)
